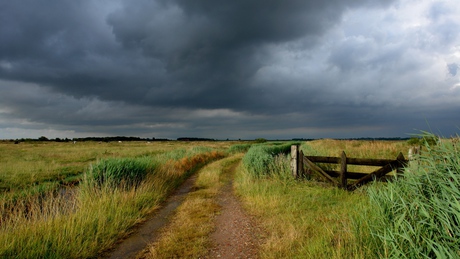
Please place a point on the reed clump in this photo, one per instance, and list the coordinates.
(117, 171)
(259, 157)
(418, 216)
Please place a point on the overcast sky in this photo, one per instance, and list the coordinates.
(239, 69)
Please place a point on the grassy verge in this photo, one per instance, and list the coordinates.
(188, 234)
(302, 219)
(85, 220)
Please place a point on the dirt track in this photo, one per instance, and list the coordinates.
(148, 232)
(236, 234)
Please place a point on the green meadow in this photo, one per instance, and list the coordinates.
(64, 200)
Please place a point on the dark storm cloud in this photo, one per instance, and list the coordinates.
(211, 49)
(198, 54)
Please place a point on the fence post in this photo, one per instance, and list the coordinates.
(294, 160)
(400, 158)
(300, 167)
(414, 155)
(343, 170)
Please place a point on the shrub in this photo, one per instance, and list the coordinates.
(258, 158)
(424, 139)
(260, 140)
(115, 171)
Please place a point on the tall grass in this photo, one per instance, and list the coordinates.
(127, 171)
(356, 148)
(259, 157)
(239, 148)
(418, 216)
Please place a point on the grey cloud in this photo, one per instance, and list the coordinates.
(437, 10)
(452, 68)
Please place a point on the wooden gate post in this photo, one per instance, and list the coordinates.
(294, 161)
(414, 155)
(343, 170)
(300, 167)
(400, 170)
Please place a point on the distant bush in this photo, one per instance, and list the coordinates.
(116, 171)
(423, 139)
(419, 214)
(258, 158)
(260, 140)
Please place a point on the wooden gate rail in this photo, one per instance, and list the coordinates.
(340, 178)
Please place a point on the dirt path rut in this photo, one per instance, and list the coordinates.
(236, 235)
(148, 232)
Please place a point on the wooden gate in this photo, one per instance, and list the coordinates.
(303, 166)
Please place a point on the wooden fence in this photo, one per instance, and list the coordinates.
(304, 166)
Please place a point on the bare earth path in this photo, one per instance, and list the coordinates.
(236, 235)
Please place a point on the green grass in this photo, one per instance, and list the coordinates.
(418, 216)
(239, 148)
(122, 171)
(26, 165)
(302, 219)
(258, 158)
(82, 221)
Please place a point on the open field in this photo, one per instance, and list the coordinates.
(30, 164)
(84, 220)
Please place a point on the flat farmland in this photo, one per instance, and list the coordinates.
(30, 164)
(75, 200)
(66, 200)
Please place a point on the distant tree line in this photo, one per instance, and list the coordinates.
(118, 138)
(96, 139)
(123, 138)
